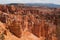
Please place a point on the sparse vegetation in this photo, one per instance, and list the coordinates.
(1, 36)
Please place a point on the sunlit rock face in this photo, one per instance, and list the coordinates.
(30, 23)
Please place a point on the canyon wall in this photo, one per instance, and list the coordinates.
(40, 21)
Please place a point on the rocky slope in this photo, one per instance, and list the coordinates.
(19, 22)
